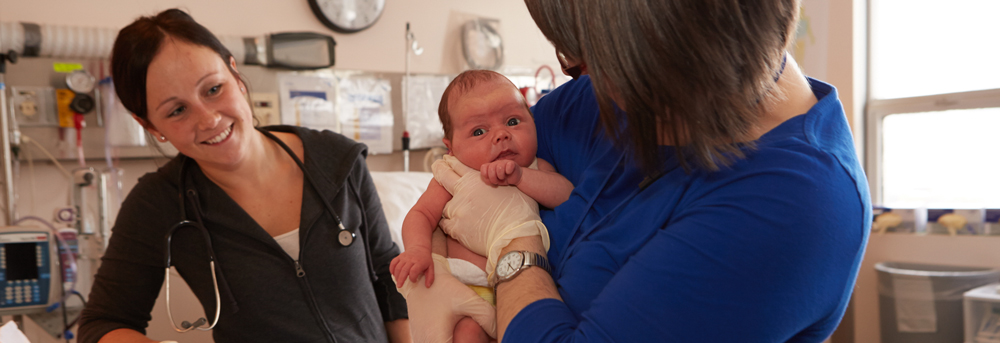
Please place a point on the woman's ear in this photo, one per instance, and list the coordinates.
(232, 64)
(149, 127)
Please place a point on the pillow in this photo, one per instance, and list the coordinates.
(398, 192)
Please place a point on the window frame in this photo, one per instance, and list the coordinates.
(878, 109)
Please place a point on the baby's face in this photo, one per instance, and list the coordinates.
(490, 123)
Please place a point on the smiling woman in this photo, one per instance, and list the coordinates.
(200, 107)
(245, 187)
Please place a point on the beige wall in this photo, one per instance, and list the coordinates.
(379, 48)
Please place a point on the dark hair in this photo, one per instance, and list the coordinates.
(696, 72)
(138, 43)
(463, 83)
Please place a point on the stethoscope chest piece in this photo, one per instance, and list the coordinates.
(346, 237)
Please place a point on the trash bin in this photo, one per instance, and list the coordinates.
(922, 303)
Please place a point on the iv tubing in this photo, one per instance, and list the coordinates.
(53, 158)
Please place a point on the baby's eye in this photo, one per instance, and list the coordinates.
(513, 122)
(213, 90)
(478, 132)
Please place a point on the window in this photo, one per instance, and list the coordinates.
(933, 127)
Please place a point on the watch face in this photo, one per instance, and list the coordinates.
(347, 15)
(509, 264)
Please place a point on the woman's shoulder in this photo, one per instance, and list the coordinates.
(330, 154)
(166, 178)
(311, 137)
(792, 182)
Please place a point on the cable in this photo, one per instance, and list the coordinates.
(31, 176)
(55, 161)
(66, 330)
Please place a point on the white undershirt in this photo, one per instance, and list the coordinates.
(289, 241)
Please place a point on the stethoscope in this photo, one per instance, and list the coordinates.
(345, 237)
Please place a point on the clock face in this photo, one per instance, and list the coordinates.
(509, 263)
(347, 15)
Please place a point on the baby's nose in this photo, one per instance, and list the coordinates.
(501, 135)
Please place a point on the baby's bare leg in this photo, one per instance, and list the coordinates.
(468, 331)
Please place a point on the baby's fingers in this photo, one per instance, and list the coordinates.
(509, 167)
(430, 276)
(401, 275)
(392, 265)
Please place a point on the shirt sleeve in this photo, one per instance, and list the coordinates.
(128, 282)
(768, 256)
(380, 244)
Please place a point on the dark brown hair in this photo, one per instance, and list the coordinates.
(463, 83)
(138, 43)
(695, 72)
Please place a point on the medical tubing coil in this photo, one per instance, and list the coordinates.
(44, 40)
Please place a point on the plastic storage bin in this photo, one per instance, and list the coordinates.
(982, 314)
(922, 303)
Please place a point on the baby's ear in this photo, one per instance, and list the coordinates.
(447, 144)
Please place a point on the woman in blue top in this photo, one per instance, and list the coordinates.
(718, 194)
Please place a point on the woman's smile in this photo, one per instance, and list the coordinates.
(221, 137)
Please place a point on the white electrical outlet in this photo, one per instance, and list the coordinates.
(265, 108)
(34, 106)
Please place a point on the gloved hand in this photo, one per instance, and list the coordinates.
(485, 218)
(435, 311)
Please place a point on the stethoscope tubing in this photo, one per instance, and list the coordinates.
(344, 240)
(198, 324)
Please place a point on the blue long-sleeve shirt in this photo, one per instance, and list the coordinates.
(766, 250)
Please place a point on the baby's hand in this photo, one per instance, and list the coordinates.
(501, 173)
(412, 263)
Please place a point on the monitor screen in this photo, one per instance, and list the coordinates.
(22, 261)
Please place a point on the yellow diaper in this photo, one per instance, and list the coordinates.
(486, 293)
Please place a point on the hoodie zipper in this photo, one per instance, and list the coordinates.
(300, 273)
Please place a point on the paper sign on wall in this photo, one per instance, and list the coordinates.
(364, 108)
(308, 100)
(422, 120)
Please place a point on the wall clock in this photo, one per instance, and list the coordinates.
(347, 16)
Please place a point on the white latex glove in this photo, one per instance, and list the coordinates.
(484, 218)
(435, 311)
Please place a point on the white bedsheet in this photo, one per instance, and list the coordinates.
(398, 191)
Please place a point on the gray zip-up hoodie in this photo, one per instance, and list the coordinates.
(264, 296)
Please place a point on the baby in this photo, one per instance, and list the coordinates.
(488, 184)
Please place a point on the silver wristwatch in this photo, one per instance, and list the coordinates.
(512, 263)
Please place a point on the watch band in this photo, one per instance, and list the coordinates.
(535, 259)
(528, 259)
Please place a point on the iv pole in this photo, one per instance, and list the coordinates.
(8, 176)
(411, 45)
